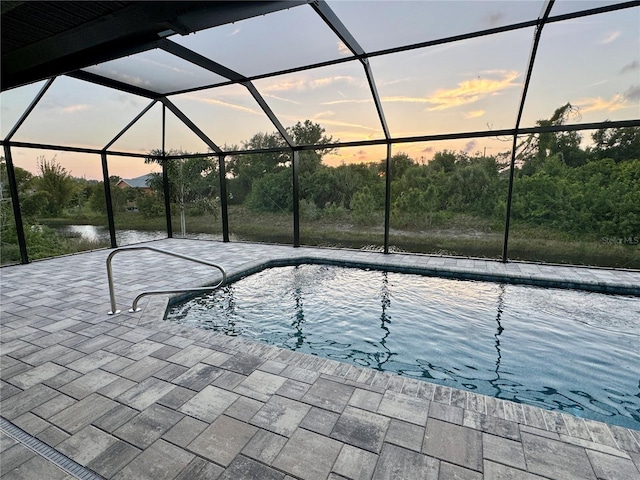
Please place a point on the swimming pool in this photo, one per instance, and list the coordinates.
(557, 349)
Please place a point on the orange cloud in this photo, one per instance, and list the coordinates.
(471, 91)
(598, 104)
(396, 99)
(343, 49)
(474, 114)
(75, 108)
(325, 114)
(401, 99)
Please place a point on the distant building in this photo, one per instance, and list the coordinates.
(141, 183)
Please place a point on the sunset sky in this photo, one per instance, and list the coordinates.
(591, 62)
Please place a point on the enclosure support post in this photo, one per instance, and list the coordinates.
(295, 165)
(167, 194)
(165, 177)
(15, 201)
(11, 173)
(224, 212)
(544, 15)
(107, 198)
(387, 199)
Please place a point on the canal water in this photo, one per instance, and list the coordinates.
(124, 237)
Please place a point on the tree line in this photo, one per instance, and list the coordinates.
(559, 185)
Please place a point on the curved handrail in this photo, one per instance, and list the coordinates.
(134, 308)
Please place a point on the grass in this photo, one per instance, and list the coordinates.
(460, 235)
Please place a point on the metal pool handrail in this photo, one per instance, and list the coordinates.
(134, 308)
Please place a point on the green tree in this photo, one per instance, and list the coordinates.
(261, 177)
(363, 207)
(150, 206)
(444, 161)
(309, 133)
(537, 148)
(24, 179)
(620, 144)
(192, 181)
(272, 192)
(97, 201)
(321, 187)
(57, 183)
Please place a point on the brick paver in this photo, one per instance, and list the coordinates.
(131, 396)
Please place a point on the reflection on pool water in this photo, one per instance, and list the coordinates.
(557, 349)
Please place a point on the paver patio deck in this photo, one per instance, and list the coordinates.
(131, 396)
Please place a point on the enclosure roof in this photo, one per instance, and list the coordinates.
(44, 39)
(371, 73)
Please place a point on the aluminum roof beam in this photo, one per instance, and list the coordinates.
(331, 19)
(116, 84)
(30, 108)
(131, 123)
(235, 77)
(192, 126)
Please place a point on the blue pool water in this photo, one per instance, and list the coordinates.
(557, 349)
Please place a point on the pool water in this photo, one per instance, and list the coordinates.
(563, 350)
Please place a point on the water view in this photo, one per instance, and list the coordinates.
(100, 234)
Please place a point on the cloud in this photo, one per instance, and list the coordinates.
(471, 91)
(610, 38)
(494, 19)
(474, 114)
(632, 94)
(630, 67)
(629, 98)
(118, 75)
(343, 49)
(395, 81)
(339, 102)
(75, 108)
(221, 103)
(302, 84)
(235, 32)
(325, 114)
(269, 95)
(344, 124)
(470, 145)
(598, 103)
(401, 99)
(427, 150)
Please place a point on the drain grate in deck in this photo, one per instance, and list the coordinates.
(59, 460)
